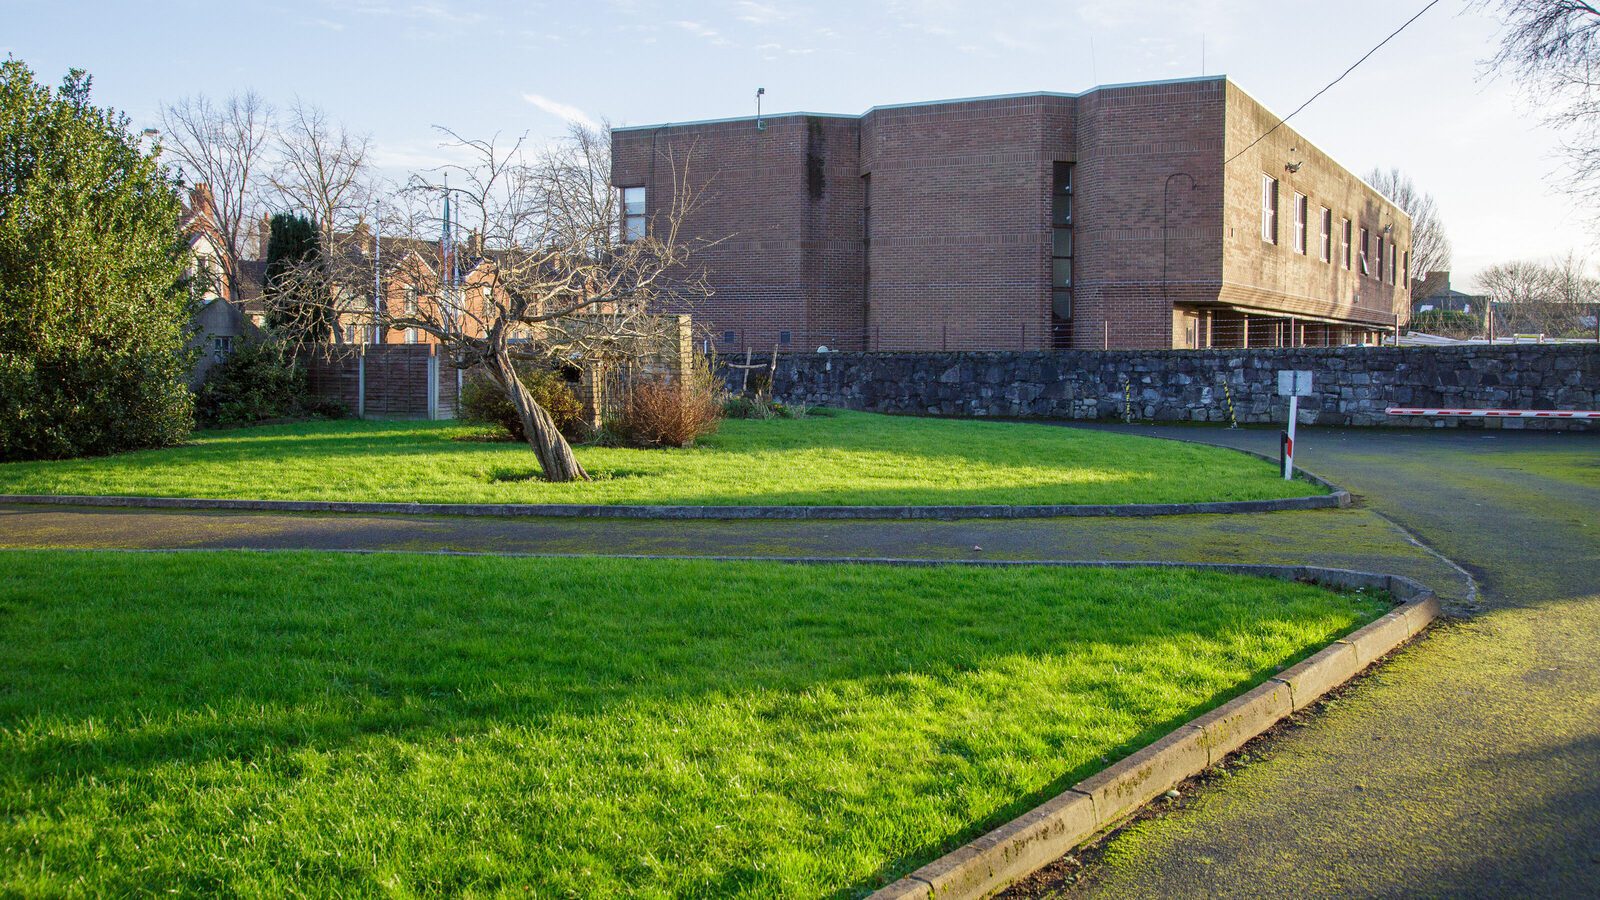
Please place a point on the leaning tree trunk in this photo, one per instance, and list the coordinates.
(555, 454)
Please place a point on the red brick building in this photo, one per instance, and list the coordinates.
(1134, 216)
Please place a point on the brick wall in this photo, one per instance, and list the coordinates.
(1353, 385)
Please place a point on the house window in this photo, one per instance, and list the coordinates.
(1381, 272)
(1344, 245)
(786, 338)
(1391, 262)
(1327, 234)
(727, 337)
(1269, 209)
(1061, 241)
(221, 346)
(1366, 241)
(633, 206)
(411, 301)
(1299, 223)
(411, 335)
(1405, 270)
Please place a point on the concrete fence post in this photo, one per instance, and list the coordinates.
(361, 383)
(433, 383)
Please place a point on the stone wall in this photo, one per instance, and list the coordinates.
(1353, 385)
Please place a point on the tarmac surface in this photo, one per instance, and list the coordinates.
(1468, 766)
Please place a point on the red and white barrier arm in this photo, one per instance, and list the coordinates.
(1494, 413)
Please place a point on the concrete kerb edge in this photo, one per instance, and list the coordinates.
(993, 861)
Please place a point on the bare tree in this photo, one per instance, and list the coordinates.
(1553, 48)
(223, 145)
(1430, 246)
(320, 169)
(535, 271)
(1552, 298)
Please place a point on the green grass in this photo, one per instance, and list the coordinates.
(274, 724)
(847, 459)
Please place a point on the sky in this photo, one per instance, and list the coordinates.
(395, 69)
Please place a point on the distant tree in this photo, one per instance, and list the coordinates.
(1430, 246)
(224, 145)
(1553, 48)
(296, 295)
(1552, 298)
(94, 311)
(320, 168)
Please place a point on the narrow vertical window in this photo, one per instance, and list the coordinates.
(1366, 240)
(1327, 234)
(1405, 269)
(633, 207)
(1380, 259)
(1269, 209)
(1344, 246)
(1299, 223)
(1061, 241)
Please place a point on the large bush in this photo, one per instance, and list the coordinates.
(483, 401)
(93, 309)
(666, 412)
(258, 382)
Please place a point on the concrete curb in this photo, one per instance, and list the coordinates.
(1099, 802)
(1337, 499)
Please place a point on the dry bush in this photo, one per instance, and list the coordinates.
(661, 412)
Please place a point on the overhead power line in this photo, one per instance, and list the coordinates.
(1330, 84)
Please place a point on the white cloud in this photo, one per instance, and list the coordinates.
(561, 110)
(758, 13)
(696, 28)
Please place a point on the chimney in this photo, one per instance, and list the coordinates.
(201, 203)
(361, 235)
(263, 235)
(475, 243)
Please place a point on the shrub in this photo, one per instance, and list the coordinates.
(660, 412)
(483, 401)
(256, 383)
(93, 305)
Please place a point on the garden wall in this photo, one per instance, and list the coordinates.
(385, 380)
(1353, 385)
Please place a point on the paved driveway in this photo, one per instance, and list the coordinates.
(1470, 766)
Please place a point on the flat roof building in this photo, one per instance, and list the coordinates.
(1174, 214)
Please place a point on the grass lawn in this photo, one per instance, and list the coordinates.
(845, 459)
(273, 724)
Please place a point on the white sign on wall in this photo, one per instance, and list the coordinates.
(1294, 383)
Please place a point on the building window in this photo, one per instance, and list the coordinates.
(786, 338)
(1381, 272)
(1405, 270)
(633, 206)
(727, 337)
(1391, 262)
(1366, 240)
(1061, 241)
(221, 346)
(411, 301)
(1299, 223)
(1327, 234)
(411, 335)
(1344, 246)
(1269, 209)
